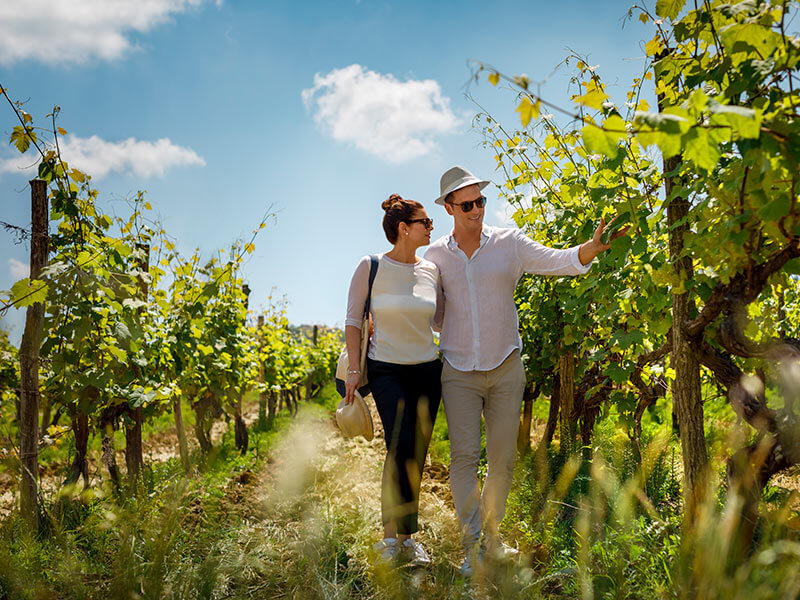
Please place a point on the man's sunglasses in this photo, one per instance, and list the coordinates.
(467, 206)
(427, 222)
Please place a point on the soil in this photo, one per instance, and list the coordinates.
(160, 446)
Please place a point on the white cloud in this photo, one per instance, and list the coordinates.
(18, 269)
(98, 157)
(395, 120)
(503, 212)
(74, 31)
(502, 215)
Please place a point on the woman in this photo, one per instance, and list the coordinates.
(403, 367)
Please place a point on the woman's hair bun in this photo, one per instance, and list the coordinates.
(387, 204)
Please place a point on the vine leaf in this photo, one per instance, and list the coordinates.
(605, 140)
(701, 149)
(28, 291)
(527, 110)
(21, 137)
(594, 96)
(669, 9)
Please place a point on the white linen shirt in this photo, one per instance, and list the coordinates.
(480, 327)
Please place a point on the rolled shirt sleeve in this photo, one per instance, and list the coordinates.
(540, 260)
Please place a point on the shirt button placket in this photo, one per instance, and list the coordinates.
(473, 301)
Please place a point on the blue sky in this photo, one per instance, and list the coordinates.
(202, 104)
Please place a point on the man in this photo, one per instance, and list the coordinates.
(483, 374)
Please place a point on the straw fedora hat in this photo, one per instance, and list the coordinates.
(354, 419)
(455, 179)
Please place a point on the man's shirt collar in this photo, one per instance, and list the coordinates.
(486, 233)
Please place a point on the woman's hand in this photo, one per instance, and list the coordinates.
(351, 385)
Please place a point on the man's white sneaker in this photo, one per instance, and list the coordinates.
(416, 553)
(472, 559)
(498, 550)
(386, 551)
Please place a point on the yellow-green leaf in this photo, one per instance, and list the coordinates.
(594, 96)
(21, 137)
(528, 110)
(654, 46)
(605, 140)
(28, 291)
(669, 9)
(494, 78)
(700, 148)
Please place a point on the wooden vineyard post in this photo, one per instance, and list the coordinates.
(262, 395)
(134, 459)
(568, 429)
(241, 436)
(29, 362)
(686, 392)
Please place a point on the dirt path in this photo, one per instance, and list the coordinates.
(315, 466)
(313, 513)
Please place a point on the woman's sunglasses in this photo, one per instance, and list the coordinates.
(467, 206)
(427, 222)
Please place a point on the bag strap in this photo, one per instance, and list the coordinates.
(373, 270)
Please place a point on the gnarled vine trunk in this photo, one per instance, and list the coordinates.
(524, 433)
(552, 417)
(241, 436)
(108, 421)
(80, 466)
(273, 406)
(183, 446)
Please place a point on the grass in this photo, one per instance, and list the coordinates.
(296, 516)
(167, 540)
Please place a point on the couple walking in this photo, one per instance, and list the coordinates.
(464, 288)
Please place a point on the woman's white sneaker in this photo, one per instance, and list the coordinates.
(386, 551)
(416, 553)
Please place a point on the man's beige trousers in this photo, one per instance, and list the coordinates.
(497, 395)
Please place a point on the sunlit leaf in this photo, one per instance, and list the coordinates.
(669, 9)
(654, 46)
(28, 291)
(594, 96)
(527, 110)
